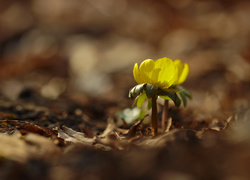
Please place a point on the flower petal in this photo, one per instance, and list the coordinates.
(179, 66)
(146, 69)
(155, 76)
(137, 74)
(184, 74)
(162, 73)
(147, 65)
(167, 75)
(183, 70)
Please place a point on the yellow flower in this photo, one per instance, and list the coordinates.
(183, 70)
(162, 73)
(160, 78)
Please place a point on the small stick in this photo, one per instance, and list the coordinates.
(164, 118)
(154, 120)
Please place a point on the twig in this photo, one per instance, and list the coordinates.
(154, 120)
(164, 118)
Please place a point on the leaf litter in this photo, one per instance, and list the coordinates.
(57, 123)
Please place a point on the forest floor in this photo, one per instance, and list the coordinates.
(64, 82)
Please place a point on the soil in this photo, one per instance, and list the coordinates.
(66, 71)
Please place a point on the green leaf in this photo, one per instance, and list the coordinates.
(131, 93)
(150, 89)
(149, 103)
(185, 92)
(136, 90)
(139, 88)
(165, 97)
(136, 99)
(188, 94)
(141, 98)
(184, 99)
(172, 95)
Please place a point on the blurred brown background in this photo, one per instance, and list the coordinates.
(85, 49)
(68, 52)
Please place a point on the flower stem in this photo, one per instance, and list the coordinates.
(154, 120)
(164, 118)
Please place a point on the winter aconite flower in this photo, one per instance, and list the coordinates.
(183, 70)
(163, 77)
(160, 78)
(161, 73)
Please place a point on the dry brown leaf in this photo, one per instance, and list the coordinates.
(26, 127)
(114, 141)
(110, 127)
(173, 136)
(42, 146)
(15, 147)
(71, 136)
